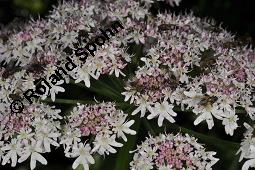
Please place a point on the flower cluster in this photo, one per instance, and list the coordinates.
(187, 63)
(39, 49)
(92, 129)
(28, 134)
(247, 148)
(42, 45)
(202, 67)
(35, 51)
(149, 90)
(168, 151)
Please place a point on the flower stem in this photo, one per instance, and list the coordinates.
(148, 127)
(74, 102)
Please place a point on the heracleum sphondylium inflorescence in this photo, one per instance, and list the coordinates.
(187, 62)
(168, 151)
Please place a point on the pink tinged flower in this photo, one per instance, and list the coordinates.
(143, 106)
(168, 151)
(105, 143)
(37, 157)
(206, 113)
(230, 123)
(32, 150)
(163, 111)
(54, 90)
(84, 156)
(24, 36)
(101, 121)
(251, 112)
(123, 127)
(12, 152)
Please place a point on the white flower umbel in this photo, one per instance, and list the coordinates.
(247, 148)
(82, 152)
(105, 143)
(34, 151)
(122, 126)
(163, 111)
(28, 134)
(168, 151)
(150, 90)
(101, 122)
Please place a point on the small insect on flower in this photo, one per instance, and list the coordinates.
(36, 66)
(15, 96)
(168, 151)
(10, 69)
(208, 61)
(206, 99)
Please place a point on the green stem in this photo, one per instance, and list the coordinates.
(117, 83)
(103, 89)
(149, 127)
(68, 101)
(74, 102)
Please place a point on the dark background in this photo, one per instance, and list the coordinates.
(237, 16)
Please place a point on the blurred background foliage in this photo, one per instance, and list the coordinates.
(237, 16)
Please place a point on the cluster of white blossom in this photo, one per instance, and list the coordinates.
(31, 133)
(41, 47)
(149, 90)
(28, 134)
(168, 151)
(199, 65)
(92, 129)
(247, 148)
(37, 50)
(188, 62)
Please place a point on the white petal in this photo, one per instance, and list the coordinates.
(37, 157)
(199, 119)
(129, 123)
(248, 164)
(76, 163)
(169, 118)
(90, 159)
(137, 110)
(86, 80)
(111, 149)
(23, 157)
(14, 159)
(160, 121)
